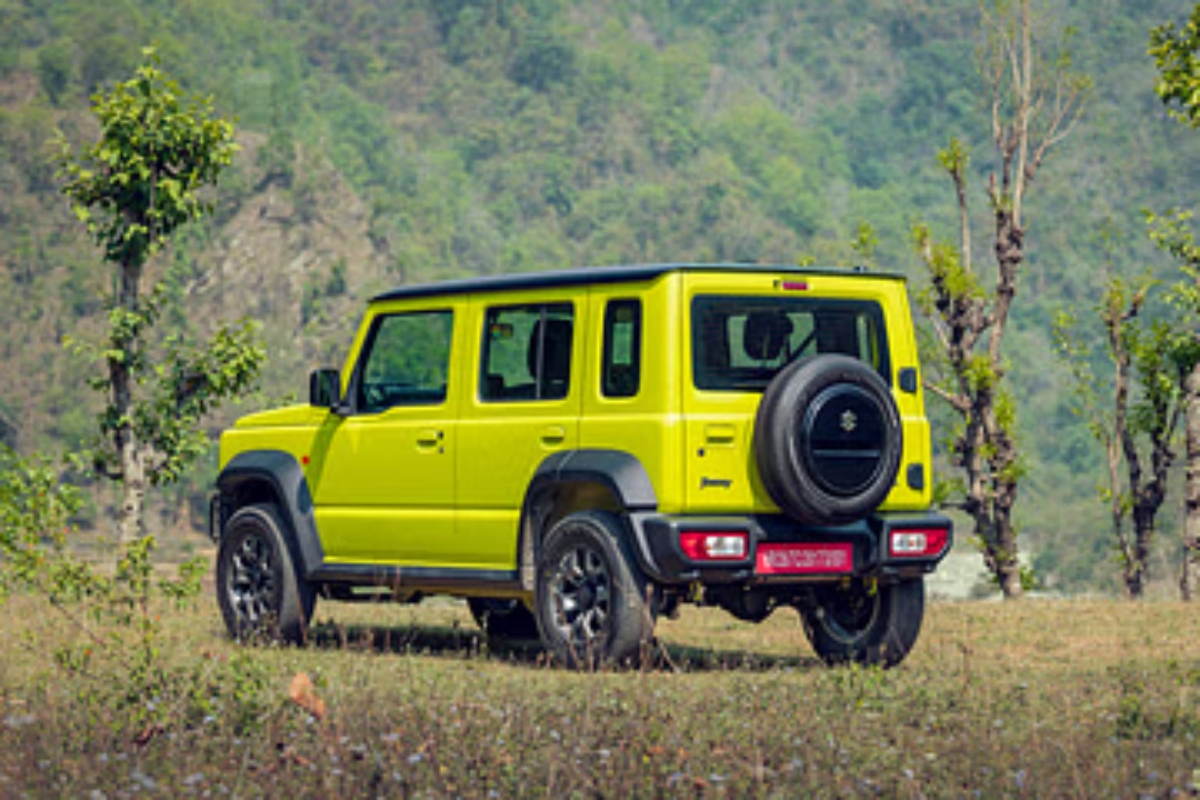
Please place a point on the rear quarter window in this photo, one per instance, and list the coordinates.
(621, 371)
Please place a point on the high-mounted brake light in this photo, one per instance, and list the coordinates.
(714, 545)
(918, 542)
(795, 286)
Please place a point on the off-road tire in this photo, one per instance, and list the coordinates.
(864, 624)
(503, 619)
(259, 590)
(827, 440)
(590, 598)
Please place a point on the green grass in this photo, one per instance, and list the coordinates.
(1038, 699)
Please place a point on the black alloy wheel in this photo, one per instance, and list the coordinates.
(258, 587)
(590, 598)
(862, 622)
(253, 588)
(581, 591)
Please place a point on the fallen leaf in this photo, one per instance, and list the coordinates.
(289, 756)
(146, 736)
(304, 695)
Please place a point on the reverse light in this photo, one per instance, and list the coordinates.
(917, 543)
(714, 545)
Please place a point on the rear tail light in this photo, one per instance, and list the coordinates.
(917, 542)
(714, 545)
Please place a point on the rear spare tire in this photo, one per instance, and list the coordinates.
(827, 440)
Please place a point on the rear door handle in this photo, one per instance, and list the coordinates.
(554, 435)
(719, 434)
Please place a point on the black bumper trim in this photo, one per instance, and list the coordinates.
(656, 540)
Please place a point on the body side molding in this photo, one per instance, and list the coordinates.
(437, 579)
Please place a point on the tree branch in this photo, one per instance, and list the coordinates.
(958, 402)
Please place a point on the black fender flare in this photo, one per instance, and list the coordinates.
(284, 477)
(620, 472)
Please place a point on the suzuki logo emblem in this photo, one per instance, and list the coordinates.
(849, 421)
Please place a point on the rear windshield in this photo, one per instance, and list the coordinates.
(739, 343)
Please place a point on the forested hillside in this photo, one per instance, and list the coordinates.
(393, 141)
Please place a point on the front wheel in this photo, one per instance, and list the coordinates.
(865, 623)
(258, 587)
(591, 599)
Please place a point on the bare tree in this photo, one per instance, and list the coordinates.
(1144, 403)
(1035, 103)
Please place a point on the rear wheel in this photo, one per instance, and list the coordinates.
(862, 623)
(258, 587)
(591, 599)
(504, 619)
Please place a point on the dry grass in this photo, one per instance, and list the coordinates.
(1038, 699)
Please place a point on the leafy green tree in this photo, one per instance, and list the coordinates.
(35, 510)
(134, 187)
(1177, 56)
(1172, 234)
(1133, 413)
(1032, 111)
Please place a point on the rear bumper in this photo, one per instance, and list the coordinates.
(662, 559)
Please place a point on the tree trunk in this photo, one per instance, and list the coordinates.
(1189, 582)
(1008, 567)
(128, 449)
(1137, 564)
(133, 493)
(1010, 253)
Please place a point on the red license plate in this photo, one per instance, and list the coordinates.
(805, 559)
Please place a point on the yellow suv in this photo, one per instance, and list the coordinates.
(577, 452)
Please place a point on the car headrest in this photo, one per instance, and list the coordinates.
(556, 366)
(765, 333)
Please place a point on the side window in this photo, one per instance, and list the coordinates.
(407, 360)
(621, 373)
(527, 352)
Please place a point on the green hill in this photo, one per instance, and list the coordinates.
(393, 142)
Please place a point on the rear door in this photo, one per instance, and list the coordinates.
(523, 405)
(742, 332)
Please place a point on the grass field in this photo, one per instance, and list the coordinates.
(1036, 699)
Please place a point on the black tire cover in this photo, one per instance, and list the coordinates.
(827, 440)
